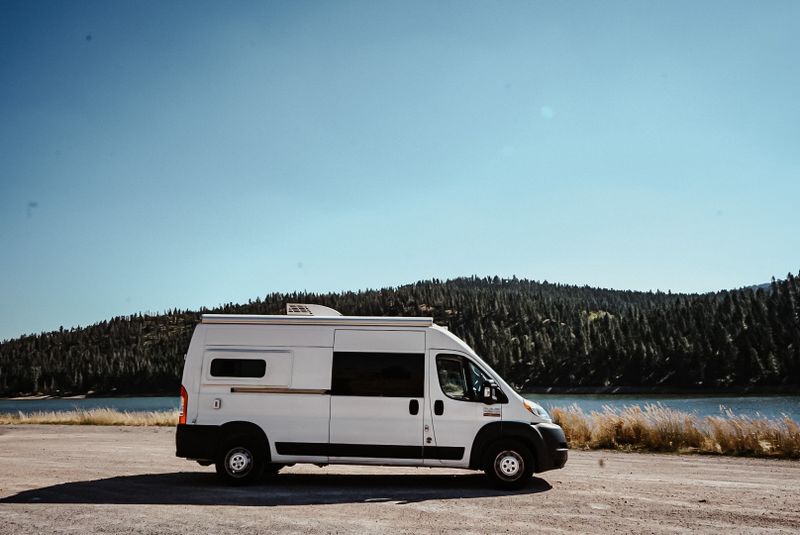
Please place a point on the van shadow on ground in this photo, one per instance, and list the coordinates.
(195, 488)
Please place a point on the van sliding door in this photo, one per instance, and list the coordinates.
(377, 396)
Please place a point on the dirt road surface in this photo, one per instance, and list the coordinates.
(86, 479)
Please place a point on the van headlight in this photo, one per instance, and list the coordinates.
(536, 409)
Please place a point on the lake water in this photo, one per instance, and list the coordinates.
(765, 406)
(132, 404)
(768, 406)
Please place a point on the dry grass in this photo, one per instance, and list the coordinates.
(652, 428)
(657, 428)
(92, 417)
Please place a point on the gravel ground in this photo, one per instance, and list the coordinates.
(87, 479)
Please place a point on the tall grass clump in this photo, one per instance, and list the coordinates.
(657, 428)
(742, 435)
(92, 417)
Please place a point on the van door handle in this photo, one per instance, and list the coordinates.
(413, 406)
(438, 407)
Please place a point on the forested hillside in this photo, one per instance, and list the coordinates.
(536, 334)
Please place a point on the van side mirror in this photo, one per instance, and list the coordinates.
(489, 393)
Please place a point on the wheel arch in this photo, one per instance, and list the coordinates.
(495, 431)
(244, 428)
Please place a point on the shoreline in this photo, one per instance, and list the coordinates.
(659, 391)
(88, 395)
(550, 390)
(637, 429)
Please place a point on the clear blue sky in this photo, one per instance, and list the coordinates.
(166, 154)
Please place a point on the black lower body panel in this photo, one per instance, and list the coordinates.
(554, 452)
(370, 451)
(201, 442)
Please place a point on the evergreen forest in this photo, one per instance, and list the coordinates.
(536, 334)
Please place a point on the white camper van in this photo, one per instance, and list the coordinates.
(313, 386)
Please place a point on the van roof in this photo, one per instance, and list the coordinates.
(361, 321)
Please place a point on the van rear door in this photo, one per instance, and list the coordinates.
(377, 396)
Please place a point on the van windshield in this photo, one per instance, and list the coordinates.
(477, 378)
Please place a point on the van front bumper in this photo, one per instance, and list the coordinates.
(554, 453)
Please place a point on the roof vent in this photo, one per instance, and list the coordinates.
(300, 309)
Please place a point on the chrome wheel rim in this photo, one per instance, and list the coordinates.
(238, 462)
(508, 465)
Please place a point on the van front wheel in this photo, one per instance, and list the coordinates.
(509, 465)
(240, 462)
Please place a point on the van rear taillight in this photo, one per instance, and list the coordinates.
(184, 405)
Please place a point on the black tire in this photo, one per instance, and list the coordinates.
(509, 464)
(241, 461)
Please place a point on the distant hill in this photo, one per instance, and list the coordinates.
(767, 286)
(534, 333)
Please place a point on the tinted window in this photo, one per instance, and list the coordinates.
(461, 378)
(378, 374)
(452, 377)
(238, 368)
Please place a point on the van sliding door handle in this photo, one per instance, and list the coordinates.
(438, 407)
(413, 406)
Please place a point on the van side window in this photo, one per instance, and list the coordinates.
(452, 377)
(378, 374)
(238, 368)
(462, 379)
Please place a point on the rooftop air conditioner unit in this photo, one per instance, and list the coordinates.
(300, 309)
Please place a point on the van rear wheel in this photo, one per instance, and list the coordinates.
(240, 462)
(509, 465)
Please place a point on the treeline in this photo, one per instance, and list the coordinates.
(535, 333)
